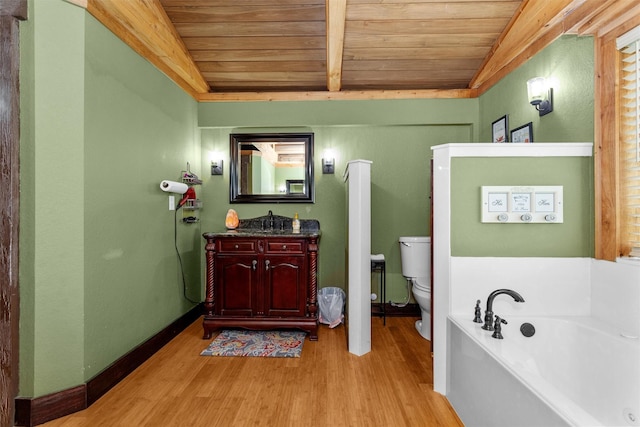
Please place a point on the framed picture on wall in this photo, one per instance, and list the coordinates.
(499, 130)
(523, 134)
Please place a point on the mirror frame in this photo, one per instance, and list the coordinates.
(237, 139)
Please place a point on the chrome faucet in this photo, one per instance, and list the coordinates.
(270, 220)
(488, 314)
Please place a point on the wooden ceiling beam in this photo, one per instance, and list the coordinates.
(529, 32)
(605, 19)
(336, 16)
(146, 28)
(530, 23)
(342, 95)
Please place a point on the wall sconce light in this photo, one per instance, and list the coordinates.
(540, 96)
(216, 162)
(216, 167)
(328, 166)
(328, 163)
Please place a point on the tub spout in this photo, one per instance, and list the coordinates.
(488, 314)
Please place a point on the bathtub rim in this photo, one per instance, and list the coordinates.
(567, 409)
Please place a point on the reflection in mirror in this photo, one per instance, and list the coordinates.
(271, 168)
(295, 186)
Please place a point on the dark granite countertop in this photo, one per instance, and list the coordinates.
(261, 233)
(269, 225)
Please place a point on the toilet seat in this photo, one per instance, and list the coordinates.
(421, 292)
(419, 283)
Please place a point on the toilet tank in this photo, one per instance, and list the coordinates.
(415, 254)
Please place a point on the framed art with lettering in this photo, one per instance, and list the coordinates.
(522, 134)
(499, 130)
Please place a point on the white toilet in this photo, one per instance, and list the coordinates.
(415, 253)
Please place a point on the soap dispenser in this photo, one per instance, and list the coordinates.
(296, 223)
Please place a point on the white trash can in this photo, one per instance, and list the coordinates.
(331, 302)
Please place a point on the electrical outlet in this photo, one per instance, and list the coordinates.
(172, 203)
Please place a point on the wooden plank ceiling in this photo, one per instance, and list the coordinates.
(345, 49)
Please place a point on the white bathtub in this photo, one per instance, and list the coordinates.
(575, 371)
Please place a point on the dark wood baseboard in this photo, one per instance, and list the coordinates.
(410, 310)
(31, 412)
(38, 410)
(105, 380)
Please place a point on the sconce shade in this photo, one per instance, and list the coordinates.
(536, 90)
(328, 166)
(539, 95)
(216, 167)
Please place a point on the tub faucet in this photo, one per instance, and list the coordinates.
(477, 318)
(497, 334)
(488, 314)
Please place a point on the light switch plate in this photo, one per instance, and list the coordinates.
(522, 204)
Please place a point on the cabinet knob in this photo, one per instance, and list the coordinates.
(284, 246)
(254, 264)
(266, 264)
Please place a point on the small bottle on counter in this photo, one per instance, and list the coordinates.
(296, 223)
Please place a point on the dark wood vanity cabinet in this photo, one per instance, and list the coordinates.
(261, 282)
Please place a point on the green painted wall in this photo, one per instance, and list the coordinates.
(387, 131)
(568, 62)
(470, 237)
(274, 114)
(140, 128)
(27, 208)
(101, 128)
(52, 244)
(400, 149)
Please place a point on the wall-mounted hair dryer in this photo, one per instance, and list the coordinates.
(189, 194)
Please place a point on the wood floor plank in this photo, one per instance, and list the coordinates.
(327, 386)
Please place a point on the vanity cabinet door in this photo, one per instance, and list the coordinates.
(285, 290)
(236, 285)
(261, 282)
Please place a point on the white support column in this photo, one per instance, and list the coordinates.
(358, 179)
(441, 248)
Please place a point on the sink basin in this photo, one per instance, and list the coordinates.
(256, 231)
(276, 224)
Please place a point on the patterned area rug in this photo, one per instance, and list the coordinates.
(256, 344)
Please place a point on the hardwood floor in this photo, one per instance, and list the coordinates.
(328, 386)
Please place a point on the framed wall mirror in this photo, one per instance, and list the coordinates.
(271, 168)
